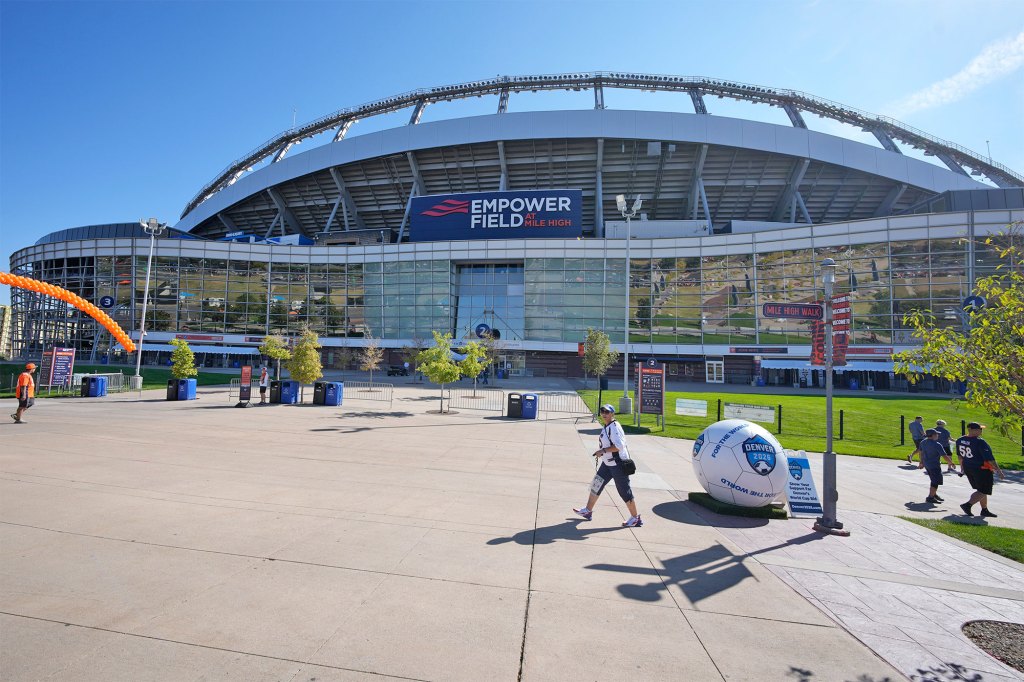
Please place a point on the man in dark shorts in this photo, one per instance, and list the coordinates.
(979, 464)
(916, 429)
(932, 453)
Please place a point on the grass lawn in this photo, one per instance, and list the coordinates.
(871, 424)
(1007, 542)
(152, 377)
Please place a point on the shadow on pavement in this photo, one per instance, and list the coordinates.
(699, 574)
(695, 515)
(568, 530)
(947, 672)
(923, 507)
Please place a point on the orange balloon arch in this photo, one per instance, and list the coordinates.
(74, 299)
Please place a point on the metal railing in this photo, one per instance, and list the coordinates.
(364, 390)
(490, 399)
(116, 382)
(236, 385)
(558, 404)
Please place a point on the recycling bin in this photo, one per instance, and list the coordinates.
(100, 387)
(515, 406)
(854, 385)
(186, 389)
(529, 406)
(289, 392)
(172, 389)
(319, 392)
(333, 393)
(275, 391)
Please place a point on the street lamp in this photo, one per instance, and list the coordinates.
(827, 522)
(625, 404)
(153, 228)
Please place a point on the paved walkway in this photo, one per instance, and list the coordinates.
(155, 540)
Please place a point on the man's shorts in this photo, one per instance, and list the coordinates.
(980, 479)
(917, 443)
(263, 390)
(26, 402)
(935, 475)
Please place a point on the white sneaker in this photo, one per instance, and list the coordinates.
(633, 522)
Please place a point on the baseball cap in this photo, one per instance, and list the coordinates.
(608, 408)
(940, 422)
(931, 432)
(975, 425)
(30, 365)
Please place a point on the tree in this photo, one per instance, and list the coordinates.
(988, 354)
(304, 364)
(643, 312)
(474, 362)
(598, 356)
(371, 356)
(275, 348)
(437, 364)
(412, 349)
(183, 360)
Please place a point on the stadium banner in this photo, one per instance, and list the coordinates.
(520, 214)
(753, 413)
(651, 389)
(800, 490)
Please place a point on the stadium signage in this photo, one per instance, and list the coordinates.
(800, 489)
(497, 215)
(793, 311)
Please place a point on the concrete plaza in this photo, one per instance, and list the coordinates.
(149, 540)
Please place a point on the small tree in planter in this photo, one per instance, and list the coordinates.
(371, 356)
(275, 348)
(183, 360)
(598, 356)
(474, 362)
(304, 364)
(437, 365)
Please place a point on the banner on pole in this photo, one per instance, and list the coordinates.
(245, 387)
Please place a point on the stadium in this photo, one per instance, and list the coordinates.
(507, 224)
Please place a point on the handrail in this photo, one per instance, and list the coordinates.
(588, 80)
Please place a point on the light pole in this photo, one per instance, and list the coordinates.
(625, 404)
(827, 522)
(153, 228)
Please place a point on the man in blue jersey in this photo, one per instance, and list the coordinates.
(932, 453)
(979, 464)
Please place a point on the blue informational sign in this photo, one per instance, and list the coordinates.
(106, 301)
(973, 304)
(800, 490)
(522, 214)
(482, 330)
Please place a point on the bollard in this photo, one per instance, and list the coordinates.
(963, 427)
(719, 410)
(840, 424)
(780, 419)
(903, 430)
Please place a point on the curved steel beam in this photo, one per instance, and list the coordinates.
(790, 100)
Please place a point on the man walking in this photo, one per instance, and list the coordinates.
(917, 435)
(946, 443)
(932, 453)
(25, 392)
(979, 464)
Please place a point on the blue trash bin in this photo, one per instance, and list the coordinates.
(529, 406)
(289, 392)
(854, 385)
(94, 387)
(334, 393)
(101, 387)
(186, 389)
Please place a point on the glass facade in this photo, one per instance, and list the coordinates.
(684, 294)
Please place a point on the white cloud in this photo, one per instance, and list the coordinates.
(995, 61)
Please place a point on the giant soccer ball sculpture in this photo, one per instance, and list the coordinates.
(740, 463)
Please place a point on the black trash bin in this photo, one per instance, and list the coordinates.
(172, 389)
(320, 393)
(604, 383)
(275, 391)
(85, 387)
(515, 406)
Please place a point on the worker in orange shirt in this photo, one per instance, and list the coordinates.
(26, 392)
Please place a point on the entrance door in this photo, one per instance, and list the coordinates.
(714, 371)
(514, 364)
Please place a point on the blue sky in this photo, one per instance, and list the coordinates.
(114, 111)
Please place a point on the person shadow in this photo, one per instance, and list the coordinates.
(570, 529)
